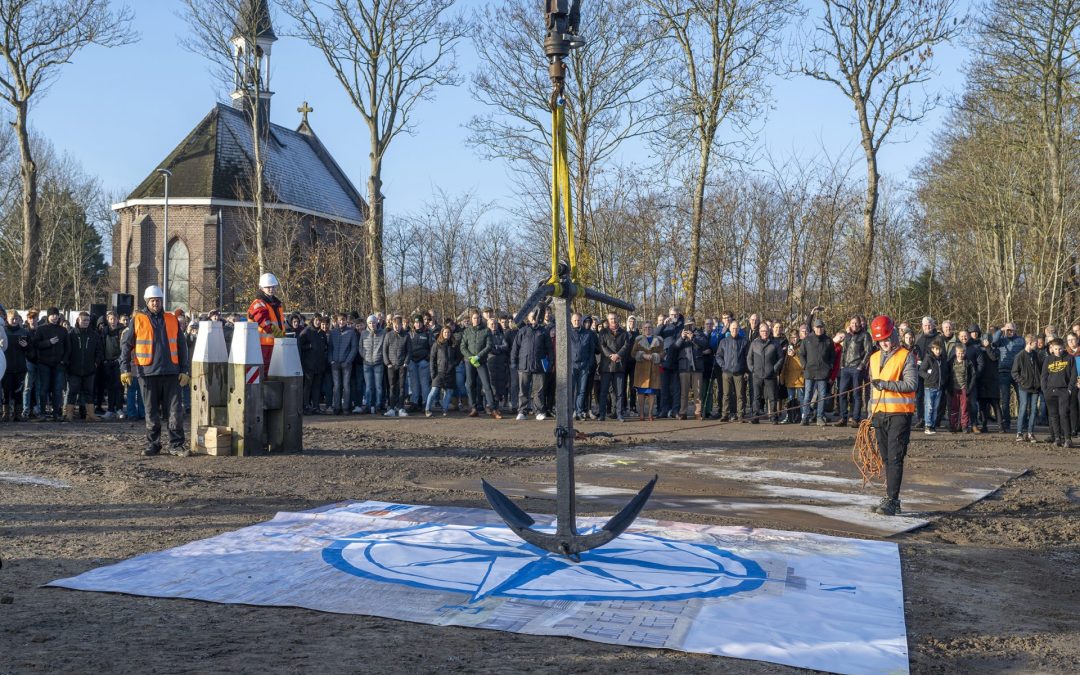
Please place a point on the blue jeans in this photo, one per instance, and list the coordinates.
(30, 397)
(920, 401)
(812, 388)
(134, 408)
(419, 381)
(1006, 386)
(433, 393)
(581, 378)
(51, 387)
(931, 399)
(356, 396)
(1028, 409)
(373, 379)
(459, 375)
(850, 381)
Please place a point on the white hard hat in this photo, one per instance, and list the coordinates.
(153, 292)
(268, 279)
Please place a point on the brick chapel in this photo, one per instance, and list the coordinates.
(210, 179)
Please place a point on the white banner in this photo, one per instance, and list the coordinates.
(799, 599)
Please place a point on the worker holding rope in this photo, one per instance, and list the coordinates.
(895, 379)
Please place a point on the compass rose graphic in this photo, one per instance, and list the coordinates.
(491, 561)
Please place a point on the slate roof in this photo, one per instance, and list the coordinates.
(259, 12)
(215, 160)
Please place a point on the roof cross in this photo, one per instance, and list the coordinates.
(304, 110)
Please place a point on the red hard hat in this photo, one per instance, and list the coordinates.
(882, 328)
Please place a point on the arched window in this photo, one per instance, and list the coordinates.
(178, 275)
(132, 285)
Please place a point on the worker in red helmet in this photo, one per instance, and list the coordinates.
(895, 380)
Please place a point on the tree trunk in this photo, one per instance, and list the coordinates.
(28, 281)
(869, 222)
(696, 217)
(376, 272)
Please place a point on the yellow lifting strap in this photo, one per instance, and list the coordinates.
(560, 196)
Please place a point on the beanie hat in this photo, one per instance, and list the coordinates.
(53, 310)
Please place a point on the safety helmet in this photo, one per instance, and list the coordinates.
(268, 279)
(153, 292)
(882, 328)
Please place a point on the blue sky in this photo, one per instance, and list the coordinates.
(120, 111)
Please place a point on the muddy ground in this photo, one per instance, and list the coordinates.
(994, 587)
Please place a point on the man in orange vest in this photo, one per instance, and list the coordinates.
(268, 313)
(153, 350)
(895, 380)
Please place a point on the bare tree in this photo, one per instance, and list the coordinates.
(607, 93)
(232, 35)
(875, 52)
(40, 36)
(388, 55)
(724, 49)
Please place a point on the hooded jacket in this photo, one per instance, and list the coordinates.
(1027, 370)
(85, 351)
(50, 344)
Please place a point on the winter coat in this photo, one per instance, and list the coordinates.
(731, 354)
(855, 350)
(498, 362)
(18, 343)
(314, 350)
(1008, 349)
(1027, 370)
(922, 344)
(161, 360)
(791, 373)
(669, 334)
(476, 341)
(817, 354)
(443, 363)
(396, 348)
(765, 359)
(371, 346)
(343, 345)
(85, 351)
(586, 344)
(691, 359)
(531, 350)
(647, 354)
(971, 376)
(617, 342)
(420, 342)
(988, 384)
(50, 344)
(930, 370)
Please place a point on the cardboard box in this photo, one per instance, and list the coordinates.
(214, 440)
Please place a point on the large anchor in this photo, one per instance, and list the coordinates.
(558, 290)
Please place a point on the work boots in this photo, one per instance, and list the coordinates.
(91, 416)
(887, 507)
(69, 413)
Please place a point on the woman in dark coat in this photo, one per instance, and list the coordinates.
(443, 362)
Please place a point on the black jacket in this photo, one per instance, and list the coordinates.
(532, 348)
(855, 350)
(669, 334)
(85, 351)
(1059, 372)
(817, 353)
(443, 360)
(420, 342)
(969, 369)
(1027, 370)
(585, 343)
(989, 385)
(314, 350)
(931, 372)
(395, 348)
(50, 344)
(614, 343)
(18, 345)
(765, 359)
(731, 354)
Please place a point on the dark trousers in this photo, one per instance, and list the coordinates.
(50, 381)
(80, 389)
(988, 407)
(607, 380)
(530, 390)
(848, 385)
(109, 373)
(734, 391)
(471, 374)
(1075, 413)
(312, 390)
(764, 396)
(13, 388)
(893, 433)
(161, 394)
(395, 377)
(1058, 407)
(669, 391)
(1006, 389)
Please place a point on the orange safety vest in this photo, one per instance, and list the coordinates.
(890, 402)
(144, 338)
(266, 338)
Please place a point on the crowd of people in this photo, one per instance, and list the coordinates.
(479, 363)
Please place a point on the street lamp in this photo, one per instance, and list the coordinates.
(165, 245)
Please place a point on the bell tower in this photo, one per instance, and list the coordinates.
(252, 41)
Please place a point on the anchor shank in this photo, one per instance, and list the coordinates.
(566, 497)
